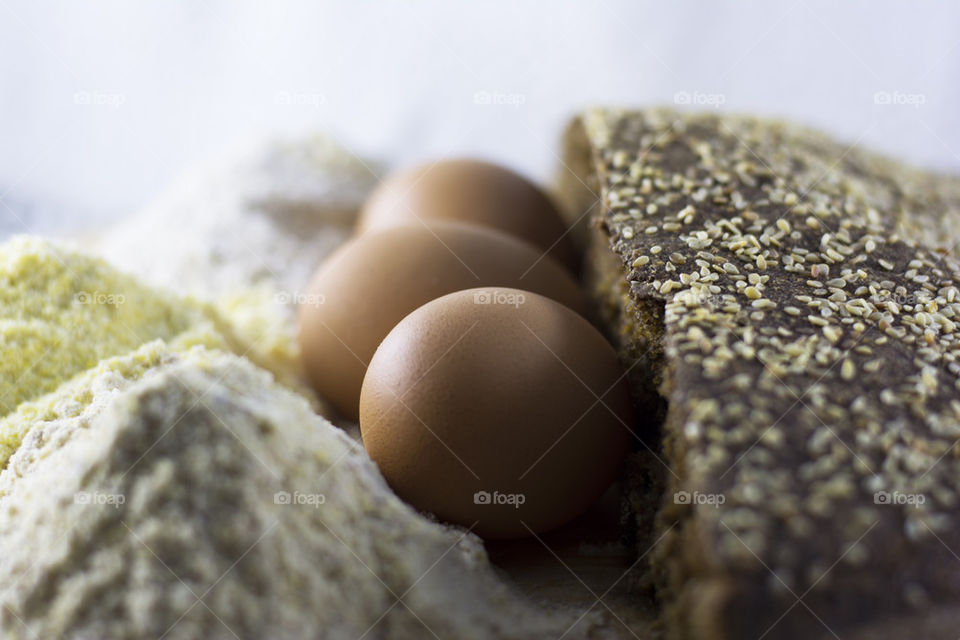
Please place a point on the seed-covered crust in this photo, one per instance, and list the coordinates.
(805, 325)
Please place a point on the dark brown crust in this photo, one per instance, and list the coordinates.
(805, 299)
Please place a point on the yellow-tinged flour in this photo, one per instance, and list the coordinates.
(65, 314)
(62, 312)
(72, 404)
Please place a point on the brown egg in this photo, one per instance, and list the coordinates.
(368, 285)
(470, 191)
(498, 409)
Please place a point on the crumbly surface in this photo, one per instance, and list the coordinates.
(44, 424)
(183, 494)
(61, 313)
(809, 303)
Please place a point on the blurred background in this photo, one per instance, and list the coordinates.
(104, 103)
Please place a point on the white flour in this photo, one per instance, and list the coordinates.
(245, 234)
(134, 502)
(265, 216)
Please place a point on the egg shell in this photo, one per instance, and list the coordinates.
(471, 191)
(487, 394)
(368, 285)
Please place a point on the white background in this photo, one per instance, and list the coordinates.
(103, 103)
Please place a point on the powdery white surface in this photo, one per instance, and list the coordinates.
(265, 216)
(149, 513)
(246, 233)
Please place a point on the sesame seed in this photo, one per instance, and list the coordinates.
(832, 333)
(884, 326)
(848, 370)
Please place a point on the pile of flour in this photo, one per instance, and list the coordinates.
(265, 215)
(198, 499)
(245, 232)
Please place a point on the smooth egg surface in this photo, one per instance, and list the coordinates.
(470, 191)
(497, 409)
(367, 286)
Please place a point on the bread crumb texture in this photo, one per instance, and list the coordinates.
(809, 296)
